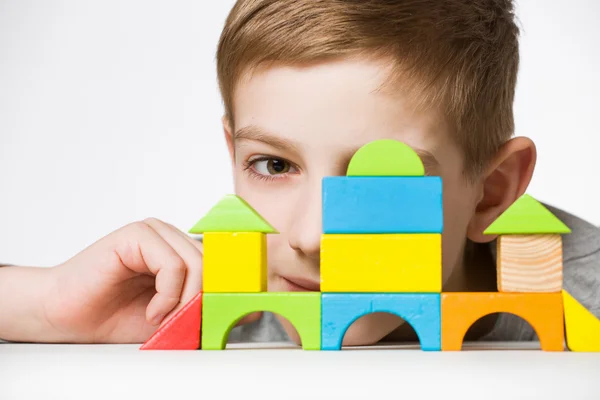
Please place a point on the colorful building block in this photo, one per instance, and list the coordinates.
(221, 311)
(381, 263)
(527, 216)
(385, 157)
(382, 204)
(182, 331)
(340, 310)
(234, 262)
(582, 327)
(232, 214)
(544, 311)
(530, 263)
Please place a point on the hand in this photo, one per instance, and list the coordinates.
(121, 288)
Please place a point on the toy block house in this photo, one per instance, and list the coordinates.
(529, 275)
(529, 248)
(382, 224)
(235, 247)
(381, 243)
(235, 276)
(381, 251)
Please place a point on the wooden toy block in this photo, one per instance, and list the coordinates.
(421, 311)
(544, 311)
(381, 263)
(181, 331)
(385, 157)
(527, 216)
(232, 214)
(386, 204)
(530, 263)
(221, 311)
(582, 327)
(234, 262)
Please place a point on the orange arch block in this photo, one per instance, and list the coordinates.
(544, 311)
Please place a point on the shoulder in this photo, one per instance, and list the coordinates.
(581, 260)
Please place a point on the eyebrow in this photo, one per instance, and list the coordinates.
(428, 159)
(256, 133)
(430, 163)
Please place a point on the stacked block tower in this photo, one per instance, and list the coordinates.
(381, 251)
(381, 247)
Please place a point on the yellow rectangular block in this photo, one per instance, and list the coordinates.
(381, 263)
(234, 262)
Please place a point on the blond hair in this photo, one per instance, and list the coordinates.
(460, 56)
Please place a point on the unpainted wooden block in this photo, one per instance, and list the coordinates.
(582, 327)
(543, 311)
(530, 263)
(222, 311)
(234, 262)
(381, 263)
(182, 331)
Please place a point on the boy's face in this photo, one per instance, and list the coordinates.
(296, 125)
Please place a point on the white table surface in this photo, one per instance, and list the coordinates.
(279, 371)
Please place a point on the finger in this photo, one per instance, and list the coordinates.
(190, 254)
(197, 243)
(144, 251)
(252, 317)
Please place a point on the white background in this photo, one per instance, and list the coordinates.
(110, 113)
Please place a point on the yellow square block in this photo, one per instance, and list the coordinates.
(234, 262)
(381, 263)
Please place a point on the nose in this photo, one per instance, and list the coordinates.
(305, 232)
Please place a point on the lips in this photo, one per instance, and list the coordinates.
(300, 284)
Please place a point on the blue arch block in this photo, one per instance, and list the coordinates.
(421, 311)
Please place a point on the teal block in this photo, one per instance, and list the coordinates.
(421, 310)
(386, 204)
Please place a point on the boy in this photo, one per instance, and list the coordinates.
(305, 84)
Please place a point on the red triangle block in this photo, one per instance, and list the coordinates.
(182, 331)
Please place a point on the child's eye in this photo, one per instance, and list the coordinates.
(269, 167)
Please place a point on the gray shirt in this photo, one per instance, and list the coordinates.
(581, 278)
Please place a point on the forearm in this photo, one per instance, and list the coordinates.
(22, 291)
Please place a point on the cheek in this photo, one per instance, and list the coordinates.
(273, 201)
(457, 214)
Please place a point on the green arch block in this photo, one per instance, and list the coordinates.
(232, 214)
(221, 311)
(385, 157)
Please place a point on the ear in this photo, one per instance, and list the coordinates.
(505, 180)
(228, 138)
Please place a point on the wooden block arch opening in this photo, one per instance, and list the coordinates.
(221, 312)
(544, 311)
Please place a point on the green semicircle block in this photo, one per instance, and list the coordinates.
(385, 157)
(232, 214)
(527, 216)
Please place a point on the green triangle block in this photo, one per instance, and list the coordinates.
(385, 157)
(527, 216)
(232, 214)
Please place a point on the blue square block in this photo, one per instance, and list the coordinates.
(386, 204)
(421, 310)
